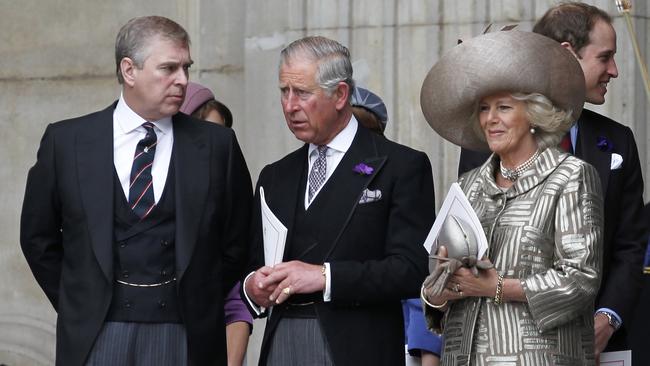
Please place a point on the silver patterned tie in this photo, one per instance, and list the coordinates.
(318, 172)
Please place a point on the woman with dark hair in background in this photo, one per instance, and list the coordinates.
(200, 103)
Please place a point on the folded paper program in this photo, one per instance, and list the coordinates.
(456, 204)
(273, 232)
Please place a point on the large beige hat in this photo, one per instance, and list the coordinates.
(503, 61)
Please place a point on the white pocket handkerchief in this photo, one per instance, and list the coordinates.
(369, 196)
(617, 161)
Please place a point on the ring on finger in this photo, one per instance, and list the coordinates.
(286, 290)
(456, 287)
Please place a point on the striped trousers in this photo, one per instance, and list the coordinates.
(299, 342)
(139, 344)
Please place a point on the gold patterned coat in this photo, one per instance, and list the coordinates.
(545, 230)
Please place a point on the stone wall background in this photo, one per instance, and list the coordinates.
(56, 62)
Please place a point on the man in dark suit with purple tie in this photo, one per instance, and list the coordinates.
(135, 217)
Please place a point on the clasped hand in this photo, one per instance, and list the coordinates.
(270, 286)
(451, 280)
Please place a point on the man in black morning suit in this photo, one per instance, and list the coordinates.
(135, 217)
(610, 147)
(357, 207)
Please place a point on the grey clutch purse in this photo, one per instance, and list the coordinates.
(456, 235)
(462, 250)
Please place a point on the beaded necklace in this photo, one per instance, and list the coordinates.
(513, 174)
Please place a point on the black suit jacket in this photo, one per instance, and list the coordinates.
(67, 229)
(624, 239)
(374, 249)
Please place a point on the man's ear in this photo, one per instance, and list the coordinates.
(341, 94)
(128, 69)
(569, 47)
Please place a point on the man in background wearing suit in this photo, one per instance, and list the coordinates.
(357, 207)
(610, 147)
(135, 217)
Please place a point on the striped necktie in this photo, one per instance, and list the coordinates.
(141, 198)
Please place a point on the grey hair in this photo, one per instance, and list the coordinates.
(134, 38)
(549, 121)
(332, 58)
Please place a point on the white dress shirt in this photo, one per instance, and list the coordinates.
(127, 132)
(335, 152)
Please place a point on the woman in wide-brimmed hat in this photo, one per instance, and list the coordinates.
(517, 94)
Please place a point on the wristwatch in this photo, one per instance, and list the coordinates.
(612, 320)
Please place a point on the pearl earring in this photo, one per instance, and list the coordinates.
(532, 130)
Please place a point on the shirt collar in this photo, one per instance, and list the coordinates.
(127, 120)
(343, 140)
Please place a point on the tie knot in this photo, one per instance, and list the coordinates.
(150, 137)
(322, 150)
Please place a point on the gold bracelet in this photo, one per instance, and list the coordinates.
(430, 304)
(498, 296)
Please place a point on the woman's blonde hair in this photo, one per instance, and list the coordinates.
(549, 121)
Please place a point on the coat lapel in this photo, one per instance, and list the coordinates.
(192, 165)
(588, 150)
(286, 193)
(347, 186)
(94, 147)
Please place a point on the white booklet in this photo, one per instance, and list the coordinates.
(274, 234)
(457, 204)
(620, 358)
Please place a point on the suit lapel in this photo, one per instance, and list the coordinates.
(347, 186)
(192, 165)
(283, 193)
(289, 191)
(588, 150)
(94, 147)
